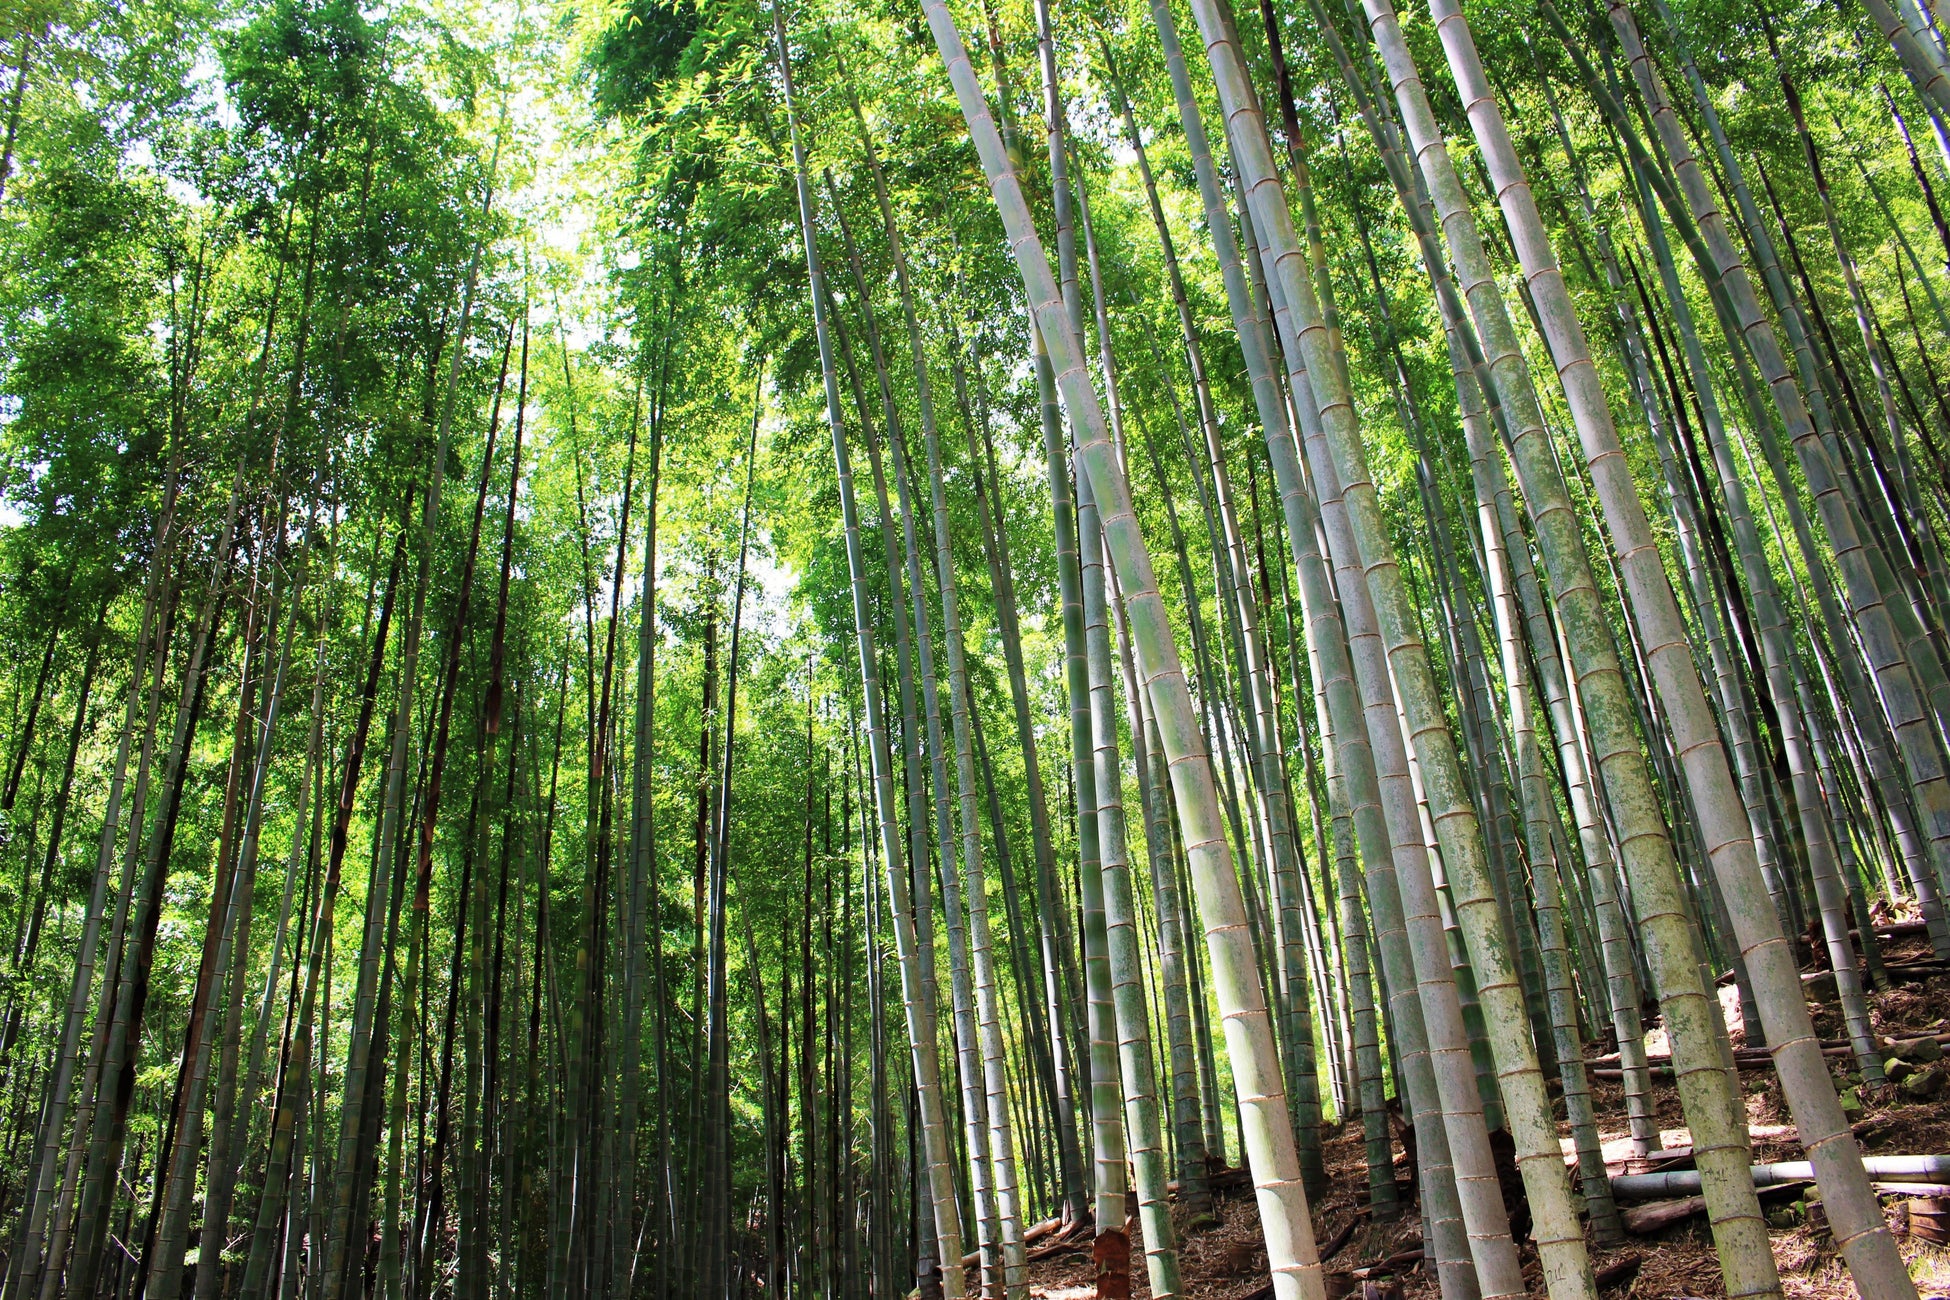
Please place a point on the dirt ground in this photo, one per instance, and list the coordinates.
(1227, 1260)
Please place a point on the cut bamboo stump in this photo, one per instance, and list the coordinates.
(1929, 1219)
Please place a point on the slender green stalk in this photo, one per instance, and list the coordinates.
(921, 1031)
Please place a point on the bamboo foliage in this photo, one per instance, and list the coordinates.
(1546, 676)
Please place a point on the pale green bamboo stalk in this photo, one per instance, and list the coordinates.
(1421, 976)
(1144, 1135)
(1730, 688)
(1272, 819)
(1923, 66)
(1383, 1200)
(1859, 1227)
(1560, 1239)
(1109, 1174)
(1433, 911)
(1808, 369)
(1867, 779)
(1898, 654)
(1867, 710)
(1327, 643)
(1454, 942)
(1633, 345)
(1538, 813)
(1109, 1183)
(1208, 1075)
(1188, 1114)
(1897, 502)
(1205, 1074)
(1426, 974)
(1274, 815)
(994, 1061)
(1600, 684)
(1616, 945)
(1038, 1032)
(1187, 1120)
(1061, 977)
(1065, 989)
(1265, 1127)
(1482, 741)
(975, 1118)
(921, 1031)
(1777, 653)
(1107, 1138)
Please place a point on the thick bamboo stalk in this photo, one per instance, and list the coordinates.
(1867, 710)
(1139, 1105)
(1585, 798)
(1068, 507)
(1921, 64)
(1560, 1239)
(1143, 1134)
(1770, 620)
(1327, 642)
(1539, 821)
(1258, 713)
(1600, 683)
(1424, 969)
(1268, 1133)
(1704, 762)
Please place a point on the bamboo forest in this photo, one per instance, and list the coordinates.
(863, 649)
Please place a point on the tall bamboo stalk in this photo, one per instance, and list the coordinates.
(1560, 1240)
(1769, 960)
(921, 1033)
(1266, 1130)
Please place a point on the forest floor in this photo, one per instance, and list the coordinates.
(1227, 1260)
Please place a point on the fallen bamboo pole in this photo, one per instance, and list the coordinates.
(1686, 1182)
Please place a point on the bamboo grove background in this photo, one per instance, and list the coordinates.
(614, 684)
